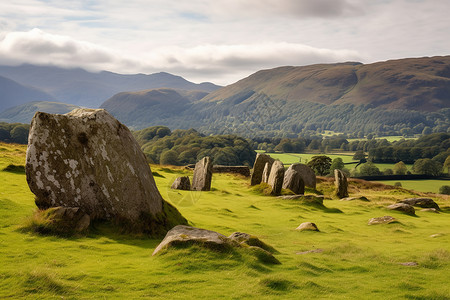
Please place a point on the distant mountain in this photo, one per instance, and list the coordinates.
(89, 89)
(380, 98)
(154, 107)
(24, 113)
(13, 93)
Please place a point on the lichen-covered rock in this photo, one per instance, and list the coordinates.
(181, 183)
(382, 220)
(258, 167)
(88, 159)
(362, 198)
(406, 208)
(307, 226)
(340, 181)
(421, 202)
(306, 173)
(276, 177)
(202, 175)
(187, 235)
(293, 181)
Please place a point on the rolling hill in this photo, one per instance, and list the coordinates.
(13, 93)
(380, 98)
(90, 89)
(24, 113)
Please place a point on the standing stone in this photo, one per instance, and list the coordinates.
(181, 183)
(306, 173)
(88, 159)
(293, 181)
(276, 177)
(258, 167)
(202, 175)
(340, 181)
(266, 173)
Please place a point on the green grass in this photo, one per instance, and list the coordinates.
(356, 261)
(420, 185)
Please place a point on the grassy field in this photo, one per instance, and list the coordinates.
(351, 260)
(420, 185)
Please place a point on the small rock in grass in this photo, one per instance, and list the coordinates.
(307, 226)
(362, 198)
(382, 220)
(430, 210)
(436, 235)
(310, 251)
(406, 208)
(409, 264)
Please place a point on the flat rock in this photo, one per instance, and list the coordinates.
(421, 202)
(406, 208)
(306, 173)
(181, 183)
(276, 177)
(187, 235)
(382, 220)
(202, 175)
(258, 167)
(307, 226)
(88, 159)
(434, 210)
(362, 198)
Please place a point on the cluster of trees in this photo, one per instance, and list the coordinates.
(14, 133)
(181, 147)
(435, 146)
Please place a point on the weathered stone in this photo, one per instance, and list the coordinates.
(258, 167)
(202, 175)
(266, 173)
(181, 183)
(340, 181)
(307, 226)
(250, 240)
(242, 170)
(276, 177)
(406, 208)
(305, 199)
(64, 220)
(382, 220)
(306, 173)
(362, 198)
(293, 181)
(186, 235)
(88, 159)
(421, 202)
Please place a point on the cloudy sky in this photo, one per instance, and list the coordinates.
(218, 40)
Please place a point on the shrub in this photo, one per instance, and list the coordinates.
(445, 190)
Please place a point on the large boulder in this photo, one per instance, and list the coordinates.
(181, 183)
(88, 159)
(276, 177)
(202, 175)
(293, 181)
(306, 173)
(421, 202)
(340, 181)
(258, 167)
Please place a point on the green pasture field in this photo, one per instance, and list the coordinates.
(420, 185)
(349, 259)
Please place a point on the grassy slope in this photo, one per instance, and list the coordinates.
(358, 261)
